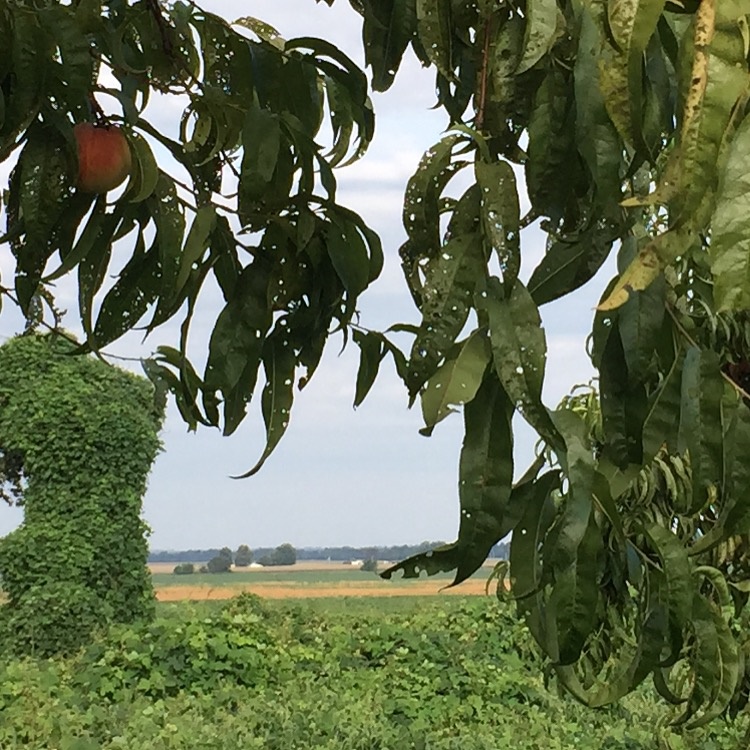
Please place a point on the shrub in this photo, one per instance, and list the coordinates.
(184, 569)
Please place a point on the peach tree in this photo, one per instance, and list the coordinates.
(624, 123)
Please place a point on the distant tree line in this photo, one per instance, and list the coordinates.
(271, 555)
(224, 559)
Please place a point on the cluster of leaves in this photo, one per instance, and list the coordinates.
(254, 105)
(438, 673)
(87, 434)
(629, 121)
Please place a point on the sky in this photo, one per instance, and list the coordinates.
(340, 476)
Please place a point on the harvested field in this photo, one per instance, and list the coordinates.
(294, 591)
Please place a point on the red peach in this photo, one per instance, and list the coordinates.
(104, 159)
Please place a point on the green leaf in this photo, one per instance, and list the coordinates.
(279, 363)
(456, 382)
(30, 52)
(196, 243)
(525, 558)
(640, 322)
(145, 175)
(486, 473)
(659, 427)
(597, 139)
(421, 212)
(167, 214)
(715, 663)
(574, 597)
(679, 589)
(571, 262)
(127, 301)
(500, 215)
(236, 344)
(541, 25)
(348, 254)
(623, 399)
(371, 355)
(434, 25)
(519, 352)
(639, 660)
(43, 182)
(730, 227)
(713, 102)
(553, 165)
(261, 140)
(389, 26)
(450, 281)
(700, 430)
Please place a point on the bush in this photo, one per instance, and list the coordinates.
(184, 569)
(370, 565)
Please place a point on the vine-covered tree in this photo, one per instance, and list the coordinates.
(85, 436)
(625, 121)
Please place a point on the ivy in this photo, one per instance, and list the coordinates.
(86, 435)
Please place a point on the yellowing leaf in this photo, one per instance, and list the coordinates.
(645, 267)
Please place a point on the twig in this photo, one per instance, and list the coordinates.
(483, 74)
(69, 337)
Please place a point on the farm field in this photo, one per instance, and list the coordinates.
(402, 673)
(309, 579)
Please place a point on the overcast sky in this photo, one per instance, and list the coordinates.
(339, 476)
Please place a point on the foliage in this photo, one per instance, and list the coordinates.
(370, 565)
(184, 569)
(87, 435)
(627, 121)
(442, 673)
(284, 554)
(243, 556)
(248, 142)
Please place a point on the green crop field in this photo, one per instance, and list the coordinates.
(405, 673)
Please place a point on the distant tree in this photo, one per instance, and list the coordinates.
(203, 569)
(184, 569)
(370, 565)
(284, 554)
(219, 564)
(243, 557)
(226, 553)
